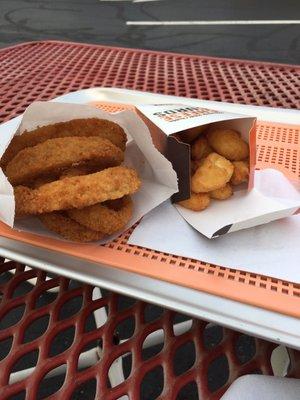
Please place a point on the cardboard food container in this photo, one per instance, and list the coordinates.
(159, 180)
(268, 196)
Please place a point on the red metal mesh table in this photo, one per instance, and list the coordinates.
(43, 70)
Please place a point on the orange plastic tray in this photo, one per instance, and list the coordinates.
(277, 146)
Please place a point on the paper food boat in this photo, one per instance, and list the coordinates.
(159, 180)
(269, 195)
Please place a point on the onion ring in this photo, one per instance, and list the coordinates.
(55, 155)
(76, 127)
(77, 171)
(77, 192)
(104, 218)
(59, 223)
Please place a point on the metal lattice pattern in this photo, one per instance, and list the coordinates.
(40, 71)
(42, 303)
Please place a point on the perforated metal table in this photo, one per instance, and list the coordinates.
(41, 71)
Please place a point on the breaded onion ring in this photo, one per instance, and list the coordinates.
(77, 171)
(222, 193)
(107, 218)
(55, 155)
(76, 127)
(59, 223)
(77, 191)
(41, 181)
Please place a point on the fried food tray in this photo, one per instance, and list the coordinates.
(278, 145)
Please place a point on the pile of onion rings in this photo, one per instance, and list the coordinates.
(70, 176)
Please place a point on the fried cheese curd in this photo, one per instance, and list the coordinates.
(228, 144)
(223, 193)
(200, 148)
(240, 172)
(197, 202)
(213, 173)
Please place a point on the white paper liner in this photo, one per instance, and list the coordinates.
(159, 180)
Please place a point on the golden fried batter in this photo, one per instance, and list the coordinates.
(200, 148)
(77, 171)
(213, 173)
(103, 217)
(222, 193)
(197, 202)
(55, 155)
(240, 172)
(228, 144)
(195, 164)
(76, 127)
(59, 223)
(77, 191)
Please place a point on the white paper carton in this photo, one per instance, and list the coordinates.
(249, 206)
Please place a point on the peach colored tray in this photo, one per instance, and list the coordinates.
(277, 145)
